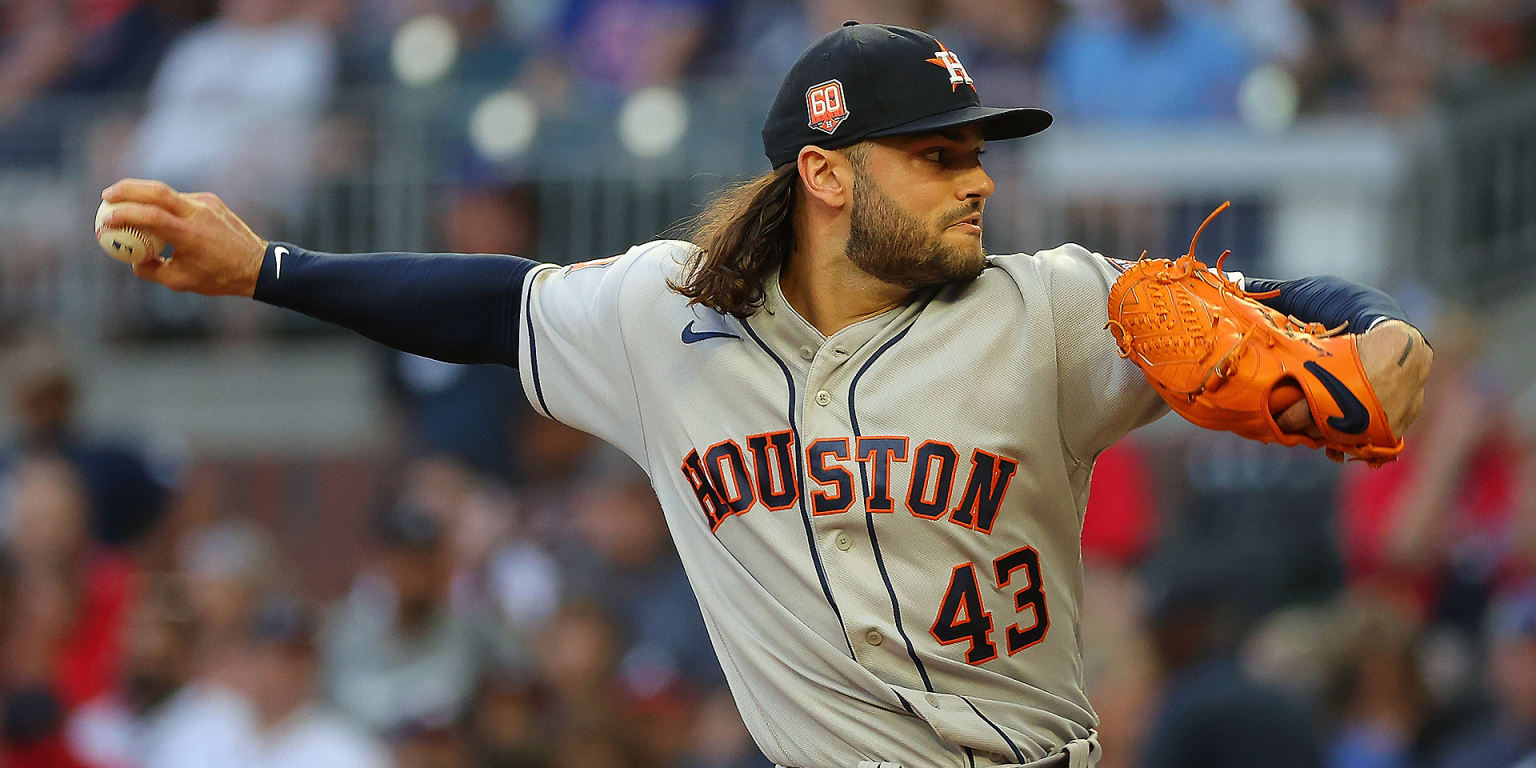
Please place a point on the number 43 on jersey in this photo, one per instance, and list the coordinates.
(963, 618)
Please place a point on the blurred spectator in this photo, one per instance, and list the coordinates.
(719, 738)
(494, 559)
(578, 658)
(468, 411)
(770, 34)
(121, 42)
(227, 567)
(524, 582)
(554, 458)
(493, 43)
(1440, 525)
(1379, 699)
(1122, 506)
(1390, 43)
(35, 45)
(596, 745)
(1296, 650)
(492, 51)
(1507, 738)
(450, 491)
(36, 42)
(1150, 62)
(1119, 671)
(431, 742)
(292, 730)
(507, 726)
(235, 108)
(1258, 518)
(398, 650)
(1210, 713)
(630, 44)
(625, 563)
(159, 716)
(827, 15)
(1393, 58)
(71, 596)
(128, 491)
(1275, 30)
(32, 737)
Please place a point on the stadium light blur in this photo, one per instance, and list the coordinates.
(503, 124)
(1267, 99)
(424, 49)
(653, 121)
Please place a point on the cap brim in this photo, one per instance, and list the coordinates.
(996, 123)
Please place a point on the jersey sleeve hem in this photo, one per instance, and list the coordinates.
(528, 354)
(612, 307)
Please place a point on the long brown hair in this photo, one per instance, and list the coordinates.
(743, 234)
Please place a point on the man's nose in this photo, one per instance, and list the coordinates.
(977, 186)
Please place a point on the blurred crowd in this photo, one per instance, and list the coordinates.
(234, 95)
(520, 613)
(501, 591)
(320, 121)
(1180, 59)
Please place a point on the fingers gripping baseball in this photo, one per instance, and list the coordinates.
(214, 252)
(1297, 419)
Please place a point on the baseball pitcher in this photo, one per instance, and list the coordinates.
(871, 439)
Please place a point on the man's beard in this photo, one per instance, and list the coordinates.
(888, 243)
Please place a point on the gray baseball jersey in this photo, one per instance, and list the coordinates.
(883, 527)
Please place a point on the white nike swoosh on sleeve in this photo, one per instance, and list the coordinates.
(279, 252)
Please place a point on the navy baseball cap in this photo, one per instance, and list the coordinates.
(870, 80)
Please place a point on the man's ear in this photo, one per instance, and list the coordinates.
(827, 175)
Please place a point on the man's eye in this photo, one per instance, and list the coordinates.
(936, 155)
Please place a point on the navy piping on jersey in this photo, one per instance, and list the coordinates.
(810, 536)
(971, 756)
(1018, 756)
(869, 517)
(533, 349)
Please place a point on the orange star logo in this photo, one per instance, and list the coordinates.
(947, 59)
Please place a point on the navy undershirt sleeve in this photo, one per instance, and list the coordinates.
(1329, 300)
(454, 307)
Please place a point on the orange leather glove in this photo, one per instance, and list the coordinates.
(1224, 361)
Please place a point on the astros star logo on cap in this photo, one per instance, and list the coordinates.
(947, 59)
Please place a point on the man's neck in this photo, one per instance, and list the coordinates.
(831, 293)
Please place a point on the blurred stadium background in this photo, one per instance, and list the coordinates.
(235, 536)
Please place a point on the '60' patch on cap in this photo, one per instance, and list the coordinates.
(825, 105)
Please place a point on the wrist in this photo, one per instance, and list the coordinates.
(252, 272)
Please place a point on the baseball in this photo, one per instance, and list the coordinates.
(125, 244)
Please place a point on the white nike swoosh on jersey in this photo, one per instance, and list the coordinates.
(279, 252)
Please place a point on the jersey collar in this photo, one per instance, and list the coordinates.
(788, 331)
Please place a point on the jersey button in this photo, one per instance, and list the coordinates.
(844, 541)
(823, 397)
(873, 637)
(807, 352)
